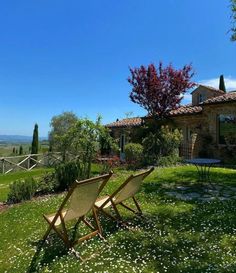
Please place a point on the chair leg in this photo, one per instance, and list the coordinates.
(108, 214)
(75, 229)
(137, 205)
(63, 237)
(47, 233)
(48, 230)
(65, 234)
(97, 222)
(128, 208)
(87, 223)
(116, 211)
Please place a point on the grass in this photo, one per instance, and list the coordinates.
(6, 149)
(175, 236)
(6, 179)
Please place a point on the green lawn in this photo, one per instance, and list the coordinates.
(6, 179)
(176, 235)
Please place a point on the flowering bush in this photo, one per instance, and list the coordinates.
(110, 163)
(159, 89)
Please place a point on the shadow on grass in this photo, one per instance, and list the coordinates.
(176, 237)
(54, 248)
(46, 253)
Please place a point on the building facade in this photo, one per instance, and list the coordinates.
(208, 125)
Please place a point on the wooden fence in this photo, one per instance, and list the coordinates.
(28, 162)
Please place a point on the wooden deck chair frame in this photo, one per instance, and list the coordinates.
(109, 201)
(62, 232)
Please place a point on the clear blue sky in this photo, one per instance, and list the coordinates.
(74, 55)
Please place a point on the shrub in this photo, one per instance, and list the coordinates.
(133, 153)
(162, 143)
(47, 184)
(170, 140)
(151, 148)
(66, 174)
(169, 160)
(21, 190)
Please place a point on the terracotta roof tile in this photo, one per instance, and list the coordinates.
(221, 99)
(183, 110)
(133, 122)
(186, 110)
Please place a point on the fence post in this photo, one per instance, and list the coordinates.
(28, 163)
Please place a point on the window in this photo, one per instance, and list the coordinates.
(201, 98)
(227, 129)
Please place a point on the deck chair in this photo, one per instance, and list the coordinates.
(78, 202)
(126, 191)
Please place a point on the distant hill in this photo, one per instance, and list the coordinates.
(17, 139)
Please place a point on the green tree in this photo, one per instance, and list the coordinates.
(80, 137)
(222, 83)
(35, 141)
(21, 150)
(83, 138)
(233, 17)
(58, 137)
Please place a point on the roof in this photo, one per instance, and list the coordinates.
(186, 110)
(227, 97)
(137, 121)
(182, 110)
(133, 122)
(209, 88)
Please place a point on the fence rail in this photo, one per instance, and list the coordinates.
(28, 162)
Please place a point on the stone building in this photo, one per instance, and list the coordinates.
(208, 125)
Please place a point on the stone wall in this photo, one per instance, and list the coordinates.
(201, 132)
(212, 113)
(191, 127)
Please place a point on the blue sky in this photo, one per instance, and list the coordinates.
(74, 55)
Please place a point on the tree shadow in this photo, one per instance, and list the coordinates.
(54, 247)
(46, 253)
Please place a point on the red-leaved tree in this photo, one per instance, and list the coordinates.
(159, 90)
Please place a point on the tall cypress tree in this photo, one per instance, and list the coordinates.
(35, 141)
(21, 150)
(222, 83)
